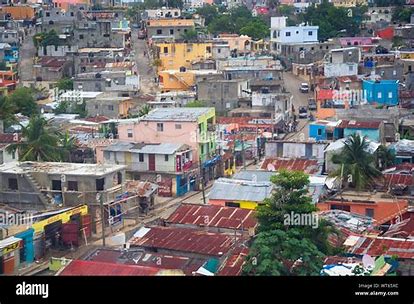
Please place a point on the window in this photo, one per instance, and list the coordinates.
(47, 14)
(310, 33)
(165, 49)
(129, 131)
(141, 157)
(389, 94)
(379, 95)
(351, 68)
(178, 126)
(110, 107)
(80, 36)
(369, 212)
(100, 184)
(287, 34)
(72, 186)
(297, 32)
(319, 132)
(96, 107)
(208, 49)
(231, 204)
(160, 127)
(13, 184)
(175, 13)
(166, 157)
(202, 149)
(159, 32)
(274, 34)
(171, 32)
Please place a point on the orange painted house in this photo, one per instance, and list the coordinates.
(19, 12)
(382, 210)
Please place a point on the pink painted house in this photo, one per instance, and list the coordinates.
(355, 41)
(192, 126)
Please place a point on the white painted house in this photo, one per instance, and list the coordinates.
(281, 34)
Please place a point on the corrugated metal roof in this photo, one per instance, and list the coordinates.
(185, 240)
(233, 265)
(175, 114)
(403, 248)
(309, 166)
(213, 216)
(92, 268)
(240, 190)
(261, 176)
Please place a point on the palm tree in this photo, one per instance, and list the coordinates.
(356, 162)
(385, 157)
(40, 142)
(7, 110)
(144, 110)
(67, 145)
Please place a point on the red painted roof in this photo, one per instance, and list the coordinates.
(7, 138)
(309, 166)
(402, 179)
(403, 248)
(214, 216)
(359, 124)
(185, 240)
(234, 263)
(52, 62)
(92, 268)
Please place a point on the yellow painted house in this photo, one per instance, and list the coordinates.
(174, 56)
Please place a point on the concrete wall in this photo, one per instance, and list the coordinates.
(294, 149)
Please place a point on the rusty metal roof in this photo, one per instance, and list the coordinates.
(183, 240)
(214, 216)
(309, 166)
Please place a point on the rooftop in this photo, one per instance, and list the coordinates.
(309, 166)
(147, 148)
(213, 216)
(170, 22)
(403, 248)
(60, 168)
(183, 240)
(240, 190)
(356, 124)
(176, 114)
(92, 268)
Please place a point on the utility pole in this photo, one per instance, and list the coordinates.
(202, 181)
(102, 217)
(243, 152)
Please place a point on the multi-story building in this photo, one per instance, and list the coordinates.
(342, 62)
(168, 28)
(383, 92)
(281, 34)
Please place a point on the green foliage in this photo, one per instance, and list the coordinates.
(22, 99)
(402, 14)
(286, 10)
(65, 84)
(332, 20)
(196, 104)
(239, 20)
(385, 158)
(40, 142)
(46, 38)
(7, 111)
(144, 110)
(209, 12)
(385, 3)
(354, 160)
(398, 41)
(190, 35)
(279, 246)
(67, 145)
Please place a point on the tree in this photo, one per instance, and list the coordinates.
(3, 65)
(7, 111)
(67, 146)
(356, 162)
(285, 249)
(46, 38)
(40, 142)
(256, 29)
(402, 14)
(195, 104)
(144, 110)
(65, 84)
(190, 35)
(278, 252)
(22, 98)
(208, 12)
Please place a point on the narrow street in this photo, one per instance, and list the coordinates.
(146, 71)
(292, 84)
(27, 54)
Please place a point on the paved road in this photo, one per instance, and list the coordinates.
(27, 53)
(292, 84)
(146, 71)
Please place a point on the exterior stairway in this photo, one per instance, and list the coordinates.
(44, 197)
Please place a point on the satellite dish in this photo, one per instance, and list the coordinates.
(271, 167)
(368, 262)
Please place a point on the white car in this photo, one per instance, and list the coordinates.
(304, 87)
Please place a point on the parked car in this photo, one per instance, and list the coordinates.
(141, 34)
(303, 112)
(304, 87)
(312, 104)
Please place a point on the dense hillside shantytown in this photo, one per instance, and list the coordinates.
(206, 138)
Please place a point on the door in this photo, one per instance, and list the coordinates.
(151, 162)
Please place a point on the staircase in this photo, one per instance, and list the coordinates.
(45, 198)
